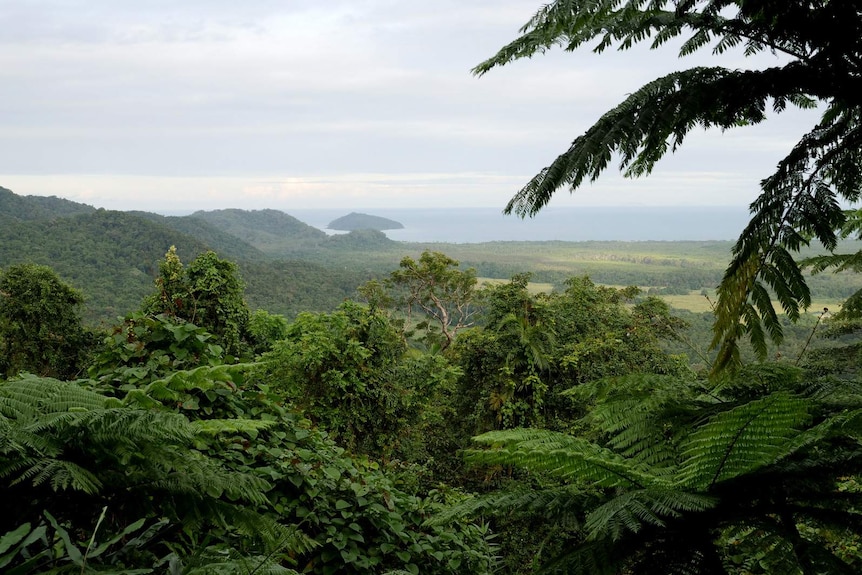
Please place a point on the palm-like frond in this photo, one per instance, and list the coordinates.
(62, 435)
(562, 457)
(556, 502)
(636, 509)
(639, 414)
(572, 23)
(740, 440)
(799, 203)
(743, 457)
(654, 120)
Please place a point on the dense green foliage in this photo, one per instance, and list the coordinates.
(533, 348)
(215, 238)
(231, 460)
(340, 369)
(208, 293)
(682, 476)
(40, 324)
(14, 207)
(113, 257)
(68, 452)
(334, 445)
(271, 231)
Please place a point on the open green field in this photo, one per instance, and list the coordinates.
(698, 303)
(532, 287)
(678, 271)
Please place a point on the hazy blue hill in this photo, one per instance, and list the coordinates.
(225, 244)
(271, 231)
(30, 208)
(356, 221)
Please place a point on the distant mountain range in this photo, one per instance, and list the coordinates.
(113, 256)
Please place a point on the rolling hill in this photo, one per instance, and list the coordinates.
(270, 231)
(112, 256)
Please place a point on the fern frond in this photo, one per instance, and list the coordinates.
(654, 120)
(560, 456)
(740, 440)
(761, 546)
(218, 426)
(633, 510)
(837, 262)
(571, 24)
(638, 412)
(28, 396)
(59, 474)
(562, 504)
(192, 474)
(588, 558)
(798, 203)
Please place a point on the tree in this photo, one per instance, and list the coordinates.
(434, 286)
(40, 324)
(745, 475)
(338, 369)
(208, 293)
(533, 348)
(821, 42)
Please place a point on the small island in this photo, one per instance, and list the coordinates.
(353, 221)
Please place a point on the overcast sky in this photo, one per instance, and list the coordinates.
(180, 105)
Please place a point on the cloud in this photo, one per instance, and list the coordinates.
(221, 96)
(370, 190)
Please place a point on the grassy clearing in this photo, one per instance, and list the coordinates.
(532, 287)
(692, 301)
(698, 303)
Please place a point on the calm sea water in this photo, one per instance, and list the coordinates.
(472, 225)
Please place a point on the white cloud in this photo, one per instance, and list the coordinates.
(130, 103)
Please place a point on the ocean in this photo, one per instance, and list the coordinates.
(573, 224)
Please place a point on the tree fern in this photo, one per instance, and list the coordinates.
(635, 510)
(799, 203)
(740, 440)
(747, 458)
(560, 456)
(68, 439)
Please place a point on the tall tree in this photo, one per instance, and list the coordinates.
(208, 293)
(821, 45)
(533, 348)
(40, 324)
(434, 287)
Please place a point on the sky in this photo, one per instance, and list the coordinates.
(173, 106)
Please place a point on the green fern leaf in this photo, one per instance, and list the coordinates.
(740, 440)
